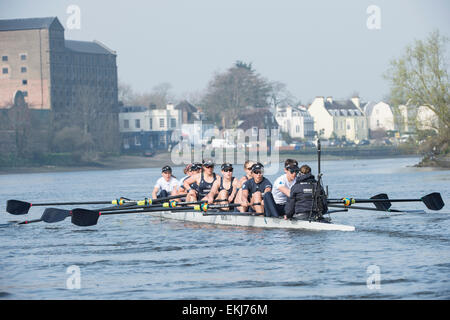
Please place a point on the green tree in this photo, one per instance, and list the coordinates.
(420, 78)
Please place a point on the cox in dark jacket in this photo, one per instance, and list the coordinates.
(301, 198)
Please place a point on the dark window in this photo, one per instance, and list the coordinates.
(5, 70)
(161, 122)
(138, 123)
(25, 93)
(23, 69)
(24, 82)
(126, 124)
(173, 122)
(4, 58)
(23, 57)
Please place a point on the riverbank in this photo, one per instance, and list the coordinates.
(161, 159)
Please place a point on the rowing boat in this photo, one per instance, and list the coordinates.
(244, 220)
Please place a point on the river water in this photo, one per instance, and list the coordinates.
(389, 256)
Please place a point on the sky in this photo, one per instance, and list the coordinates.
(317, 48)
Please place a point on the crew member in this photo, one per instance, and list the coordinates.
(254, 190)
(205, 180)
(248, 175)
(190, 170)
(300, 202)
(166, 185)
(225, 187)
(283, 184)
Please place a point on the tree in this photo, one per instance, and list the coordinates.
(420, 78)
(230, 92)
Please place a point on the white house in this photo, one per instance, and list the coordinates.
(417, 118)
(295, 121)
(343, 118)
(143, 128)
(379, 116)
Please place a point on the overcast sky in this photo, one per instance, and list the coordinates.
(317, 48)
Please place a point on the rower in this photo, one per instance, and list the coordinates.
(283, 184)
(248, 175)
(301, 199)
(225, 187)
(205, 180)
(254, 190)
(166, 185)
(190, 170)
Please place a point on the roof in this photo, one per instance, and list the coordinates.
(342, 108)
(186, 106)
(368, 107)
(94, 47)
(28, 24)
(126, 109)
(261, 118)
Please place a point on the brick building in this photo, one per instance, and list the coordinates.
(75, 80)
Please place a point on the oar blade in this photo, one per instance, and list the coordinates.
(52, 215)
(84, 217)
(17, 207)
(382, 205)
(433, 201)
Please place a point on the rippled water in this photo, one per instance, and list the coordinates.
(140, 257)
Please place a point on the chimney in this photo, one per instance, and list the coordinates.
(355, 101)
(330, 99)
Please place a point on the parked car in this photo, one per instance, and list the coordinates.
(364, 142)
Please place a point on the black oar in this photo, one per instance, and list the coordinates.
(50, 215)
(18, 207)
(85, 217)
(433, 201)
(373, 209)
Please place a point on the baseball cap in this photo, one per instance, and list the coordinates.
(195, 166)
(226, 166)
(208, 163)
(293, 167)
(166, 168)
(257, 166)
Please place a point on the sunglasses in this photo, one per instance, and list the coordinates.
(228, 170)
(209, 166)
(293, 171)
(257, 172)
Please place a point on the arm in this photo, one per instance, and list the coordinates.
(214, 190)
(233, 194)
(285, 190)
(187, 183)
(155, 192)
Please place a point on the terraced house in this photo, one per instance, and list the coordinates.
(341, 118)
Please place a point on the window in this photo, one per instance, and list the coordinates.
(126, 124)
(348, 126)
(137, 141)
(5, 70)
(161, 122)
(173, 122)
(4, 58)
(23, 69)
(151, 123)
(25, 82)
(25, 93)
(23, 57)
(297, 128)
(137, 123)
(378, 122)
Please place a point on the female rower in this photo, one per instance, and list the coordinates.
(166, 185)
(253, 190)
(225, 187)
(204, 180)
(248, 175)
(190, 170)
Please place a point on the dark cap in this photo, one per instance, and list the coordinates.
(166, 168)
(196, 166)
(257, 166)
(293, 167)
(226, 166)
(208, 163)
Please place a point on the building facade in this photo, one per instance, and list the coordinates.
(379, 116)
(295, 121)
(145, 129)
(75, 80)
(342, 119)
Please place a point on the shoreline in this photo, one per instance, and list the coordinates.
(139, 162)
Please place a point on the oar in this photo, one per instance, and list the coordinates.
(84, 217)
(50, 215)
(433, 201)
(374, 209)
(18, 207)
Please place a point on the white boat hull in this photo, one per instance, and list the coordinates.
(250, 221)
